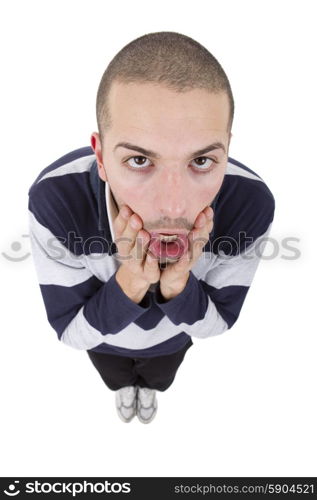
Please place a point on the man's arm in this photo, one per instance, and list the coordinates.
(209, 306)
(80, 307)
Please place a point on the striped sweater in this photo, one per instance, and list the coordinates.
(71, 214)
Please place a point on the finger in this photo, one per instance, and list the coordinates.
(200, 220)
(205, 223)
(183, 264)
(204, 216)
(151, 264)
(197, 241)
(121, 220)
(209, 213)
(138, 251)
(127, 239)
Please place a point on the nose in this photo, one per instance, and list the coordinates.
(171, 194)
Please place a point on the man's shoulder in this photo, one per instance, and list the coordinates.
(242, 182)
(76, 161)
(245, 205)
(62, 196)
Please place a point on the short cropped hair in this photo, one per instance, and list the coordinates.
(166, 57)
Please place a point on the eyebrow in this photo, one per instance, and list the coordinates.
(147, 152)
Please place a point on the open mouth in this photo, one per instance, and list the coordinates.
(168, 246)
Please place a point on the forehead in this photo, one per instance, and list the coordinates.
(153, 107)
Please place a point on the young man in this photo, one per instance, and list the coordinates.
(152, 235)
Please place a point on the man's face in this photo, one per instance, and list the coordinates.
(167, 189)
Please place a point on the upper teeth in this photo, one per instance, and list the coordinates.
(170, 237)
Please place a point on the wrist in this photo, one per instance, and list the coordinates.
(169, 291)
(133, 288)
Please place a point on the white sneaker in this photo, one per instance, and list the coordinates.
(126, 402)
(146, 404)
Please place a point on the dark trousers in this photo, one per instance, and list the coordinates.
(156, 373)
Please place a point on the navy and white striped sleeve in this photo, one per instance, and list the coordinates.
(79, 307)
(211, 305)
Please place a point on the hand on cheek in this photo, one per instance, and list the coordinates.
(175, 276)
(199, 235)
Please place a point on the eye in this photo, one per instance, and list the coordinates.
(206, 164)
(139, 164)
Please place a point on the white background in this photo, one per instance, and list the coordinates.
(243, 403)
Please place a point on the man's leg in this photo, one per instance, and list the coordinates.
(155, 373)
(136, 380)
(115, 371)
(118, 374)
(159, 372)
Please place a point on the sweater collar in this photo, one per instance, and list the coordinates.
(105, 202)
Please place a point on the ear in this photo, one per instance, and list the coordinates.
(96, 146)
